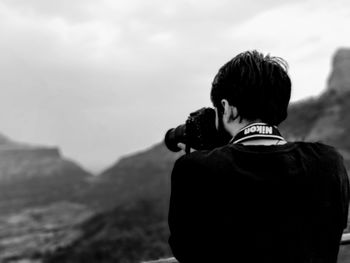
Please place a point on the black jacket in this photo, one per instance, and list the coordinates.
(282, 203)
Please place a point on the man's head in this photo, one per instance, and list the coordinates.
(253, 87)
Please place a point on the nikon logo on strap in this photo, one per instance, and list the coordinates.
(260, 129)
(257, 131)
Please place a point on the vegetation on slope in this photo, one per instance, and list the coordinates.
(127, 234)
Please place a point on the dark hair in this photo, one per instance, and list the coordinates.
(257, 85)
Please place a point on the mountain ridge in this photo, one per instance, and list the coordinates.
(339, 80)
(33, 176)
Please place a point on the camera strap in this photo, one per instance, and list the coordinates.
(257, 131)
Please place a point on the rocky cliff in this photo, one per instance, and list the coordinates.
(36, 175)
(339, 80)
(39, 195)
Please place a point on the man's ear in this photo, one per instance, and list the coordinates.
(225, 107)
(230, 112)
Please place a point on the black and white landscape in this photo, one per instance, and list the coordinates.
(52, 210)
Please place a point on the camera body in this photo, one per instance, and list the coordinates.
(199, 132)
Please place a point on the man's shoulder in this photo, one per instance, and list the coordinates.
(321, 155)
(320, 149)
(318, 145)
(204, 157)
(193, 158)
(199, 166)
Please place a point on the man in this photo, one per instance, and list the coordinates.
(258, 198)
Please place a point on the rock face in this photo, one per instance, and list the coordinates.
(31, 176)
(19, 161)
(39, 191)
(339, 80)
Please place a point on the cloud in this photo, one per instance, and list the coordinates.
(306, 34)
(77, 10)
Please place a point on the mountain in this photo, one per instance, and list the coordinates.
(41, 201)
(141, 176)
(144, 178)
(35, 176)
(132, 224)
(339, 80)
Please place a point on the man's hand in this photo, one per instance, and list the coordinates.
(182, 146)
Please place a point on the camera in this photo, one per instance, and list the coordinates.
(199, 132)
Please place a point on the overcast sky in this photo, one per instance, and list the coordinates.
(101, 79)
